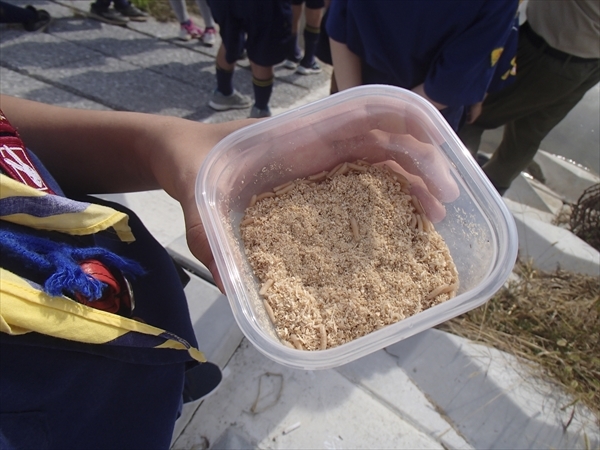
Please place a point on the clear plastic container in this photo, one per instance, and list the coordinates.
(478, 228)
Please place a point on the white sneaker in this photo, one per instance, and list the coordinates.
(289, 64)
(209, 37)
(188, 30)
(313, 69)
(236, 100)
(256, 113)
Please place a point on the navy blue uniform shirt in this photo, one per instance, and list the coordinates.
(449, 45)
(59, 394)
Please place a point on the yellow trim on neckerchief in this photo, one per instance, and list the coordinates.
(23, 309)
(90, 219)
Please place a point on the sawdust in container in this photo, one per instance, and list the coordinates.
(343, 253)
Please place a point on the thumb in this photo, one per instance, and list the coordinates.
(198, 242)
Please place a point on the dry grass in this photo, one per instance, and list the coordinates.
(551, 319)
(584, 221)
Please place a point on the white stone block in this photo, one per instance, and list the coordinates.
(530, 192)
(565, 177)
(551, 247)
(493, 399)
(268, 405)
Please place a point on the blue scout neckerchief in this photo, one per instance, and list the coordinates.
(26, 306)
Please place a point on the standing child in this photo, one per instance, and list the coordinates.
(188, 29)
(313, 12)
(263, 28)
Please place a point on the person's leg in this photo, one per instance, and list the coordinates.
(225, 71)
(180, 10)
(209, 36)
(262, 82)
(470, 135)
(294, 53)
(323, 51)
(233, 38)
(187, 29)
(297, 7)
(206, 13)
(522, 137)
(225, 96)
(269, 35)
(312, 30)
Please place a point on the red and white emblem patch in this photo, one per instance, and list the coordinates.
(15, 161)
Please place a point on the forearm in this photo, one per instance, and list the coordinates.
(87, 151)
(346, 64)
(107, 151)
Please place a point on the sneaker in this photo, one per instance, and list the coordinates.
(536, 172)
(481, 159)
(236, 100)
(313, 69)
(289, 64)
(108, 15)
(134, 13)
(209, 37)
(256, 113)
(292, 63)
(41, 21)
(189, 30)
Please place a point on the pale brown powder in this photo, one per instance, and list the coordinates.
(344, 256)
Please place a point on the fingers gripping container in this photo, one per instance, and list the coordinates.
(366, 122)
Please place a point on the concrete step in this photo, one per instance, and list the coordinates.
(550, 247)
(564, 176)
(262, 404)
(535, 206)
(494, 400)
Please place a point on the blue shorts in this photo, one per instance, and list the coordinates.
(262, 27)
(310, 4)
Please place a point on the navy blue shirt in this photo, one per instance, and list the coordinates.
(63, 394)
(449, 45)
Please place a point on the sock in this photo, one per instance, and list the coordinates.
(262, 92)
(224, 81)
(294, 51)
(311, 39)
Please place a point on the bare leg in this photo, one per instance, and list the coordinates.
(222, 61)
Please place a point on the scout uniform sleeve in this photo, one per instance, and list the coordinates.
(462, 71)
